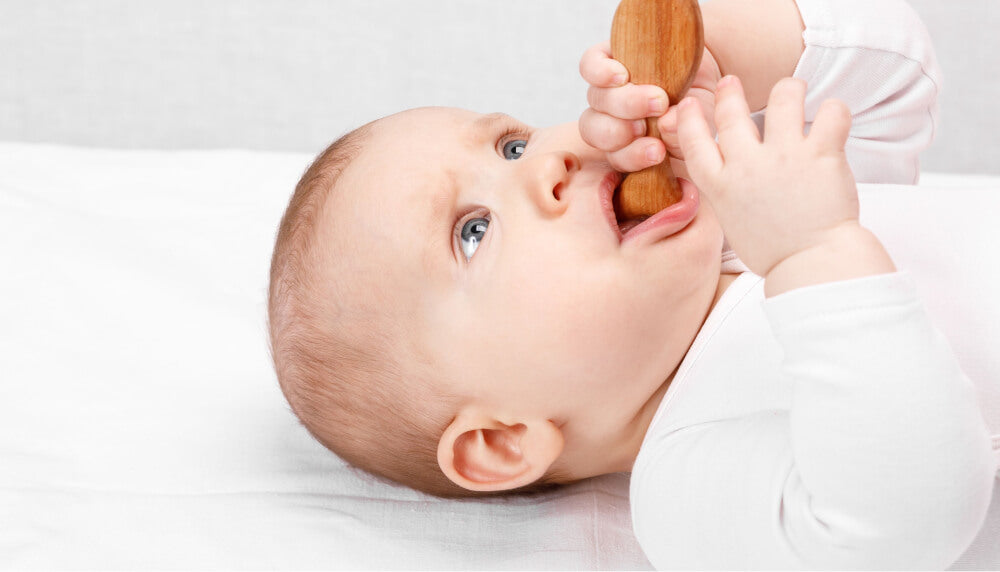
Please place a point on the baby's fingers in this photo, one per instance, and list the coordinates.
(639, 154)
(737, 132)
(599, 69)
(668, 123)
(609, 133)
(629, 101)
(704, 162)
(785, 112)
(831, 127)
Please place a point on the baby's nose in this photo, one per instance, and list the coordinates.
(550, 175)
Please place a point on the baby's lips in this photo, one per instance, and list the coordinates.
(667, 222)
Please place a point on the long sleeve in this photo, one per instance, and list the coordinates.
(877, 57)
(881, 460)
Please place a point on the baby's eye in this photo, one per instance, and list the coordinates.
(512, 150)
(472, 234)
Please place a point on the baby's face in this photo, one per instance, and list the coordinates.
(496, 246)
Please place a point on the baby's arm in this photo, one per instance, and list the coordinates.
(882, 460)
(759, 42)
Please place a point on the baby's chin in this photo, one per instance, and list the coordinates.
(686, 258)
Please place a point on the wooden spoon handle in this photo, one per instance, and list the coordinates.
(660, 42)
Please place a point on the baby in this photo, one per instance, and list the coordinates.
(517, 338)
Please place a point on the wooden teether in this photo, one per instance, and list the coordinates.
(660, 42)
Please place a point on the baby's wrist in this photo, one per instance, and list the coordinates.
(850, 251)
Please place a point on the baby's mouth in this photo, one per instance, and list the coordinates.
(633, 226)
(625, 223)
(609, 192)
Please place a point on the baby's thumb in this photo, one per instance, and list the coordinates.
(668, 123)
(697, 140)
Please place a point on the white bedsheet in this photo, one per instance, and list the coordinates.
(140, 422)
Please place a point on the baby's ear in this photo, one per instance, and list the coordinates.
(480, 453)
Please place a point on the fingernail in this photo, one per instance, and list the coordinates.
(654, 153)
(657, 105)
(619, 79)
(727, 81)
(639, 128)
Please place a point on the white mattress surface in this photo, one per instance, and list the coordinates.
(141, 425)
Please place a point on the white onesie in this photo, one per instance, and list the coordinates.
(831, 426)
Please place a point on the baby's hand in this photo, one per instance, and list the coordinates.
(786, 195)
(615, 120)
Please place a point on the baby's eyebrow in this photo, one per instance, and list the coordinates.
(443, 193)
(483, 128)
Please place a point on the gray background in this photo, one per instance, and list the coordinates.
(266, 74)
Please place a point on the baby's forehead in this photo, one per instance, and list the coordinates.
(380, 223)
(421, 149)
(412, 143)
(423, 121)
(397, 177)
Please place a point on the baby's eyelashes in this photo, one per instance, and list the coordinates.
(513, 142)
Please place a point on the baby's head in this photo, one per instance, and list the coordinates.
(452, 305)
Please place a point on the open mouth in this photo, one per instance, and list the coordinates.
(610, 187)
(667, 222)
(627, 224)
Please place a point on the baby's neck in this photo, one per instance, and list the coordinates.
(620, 453)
